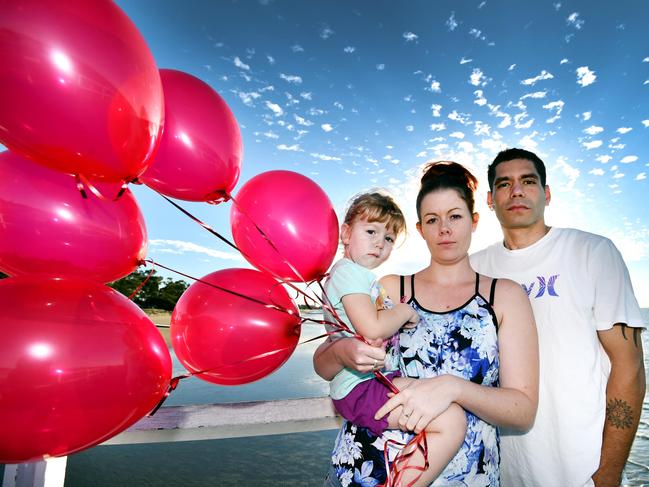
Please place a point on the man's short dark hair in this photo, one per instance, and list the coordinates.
(510, 155)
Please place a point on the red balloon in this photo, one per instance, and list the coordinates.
(47, 228)
(79, 363)
(295, 215)
(222, 333)
(79, 89)
(199, 158)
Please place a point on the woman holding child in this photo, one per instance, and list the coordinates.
(474, 346)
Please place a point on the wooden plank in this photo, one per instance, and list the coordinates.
(232, 420)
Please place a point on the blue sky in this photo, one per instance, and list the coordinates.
(360, 94)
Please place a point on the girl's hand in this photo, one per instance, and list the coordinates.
(359, 356)
(423, 401)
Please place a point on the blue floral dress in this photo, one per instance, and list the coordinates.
(462, 342)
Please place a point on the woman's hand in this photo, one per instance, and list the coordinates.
(422, 401)
(352, 353)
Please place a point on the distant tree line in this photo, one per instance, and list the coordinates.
(156, 293)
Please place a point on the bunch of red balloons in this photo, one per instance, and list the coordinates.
(83, 104)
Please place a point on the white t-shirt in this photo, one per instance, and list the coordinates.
(578, 284)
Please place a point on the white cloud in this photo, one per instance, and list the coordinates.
(480, 100)
(624, 130)
(462, 118)
(641, 176)
(574, 20)
(410, 36)
(585, 76)
(563, 61)
(456, 135)
(646, 60)
(596, 172)
(303, 121)
(290, 148)
(603, 159)
(326, 127)
(436, 127)
(536, 94)
(532, 81)
(557, 106)
(290, 78)
(409, 128)
(271, 59)
(240, 64)
(586, 116)
(464, 60)
(275, 108)
(181, 246)
(451, 23)
(248, 98)
(326, 32)
(511, 67)
(380, 67)
(645, 123)
(307, 95)
(594, 130)
(628, 159)
(592, 144)
(435, 86)
(349, 49)
(477, 78)
(436, 111)
(618, 175)
(324, 157)
(297, 48)
(571, 172)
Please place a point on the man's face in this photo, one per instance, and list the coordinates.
(518, 197)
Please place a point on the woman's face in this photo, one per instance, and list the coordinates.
(446, 225)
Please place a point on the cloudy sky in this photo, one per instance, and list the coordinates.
(360, 94)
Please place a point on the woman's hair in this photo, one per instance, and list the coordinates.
(447, 175)
(376, 206)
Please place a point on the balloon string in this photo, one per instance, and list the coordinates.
(141, 285)
(395, 474)
(83, 182)
(229, 291)
(268, 240)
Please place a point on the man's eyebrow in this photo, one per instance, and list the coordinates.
(524, 176)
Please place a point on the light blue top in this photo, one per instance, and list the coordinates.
(347, 277)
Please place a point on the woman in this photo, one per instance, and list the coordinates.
(475, 346)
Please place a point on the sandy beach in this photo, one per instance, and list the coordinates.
(162, 320)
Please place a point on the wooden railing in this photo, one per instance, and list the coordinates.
(201, 422)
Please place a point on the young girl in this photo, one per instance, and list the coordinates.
(372, 224)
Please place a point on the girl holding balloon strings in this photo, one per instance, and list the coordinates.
(475, 346)
(372, 224)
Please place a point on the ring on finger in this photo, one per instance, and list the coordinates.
(375, 365)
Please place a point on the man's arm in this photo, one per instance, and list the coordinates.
(624, 395)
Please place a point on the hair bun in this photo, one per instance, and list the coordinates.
(448, 171)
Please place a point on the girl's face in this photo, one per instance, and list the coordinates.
(446, 225)
(367, 243)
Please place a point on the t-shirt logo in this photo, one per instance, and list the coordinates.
(543, 286)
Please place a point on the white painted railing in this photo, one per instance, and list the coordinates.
(201, 422)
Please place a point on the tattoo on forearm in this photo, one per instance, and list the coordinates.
(636, 332)
(619, 413)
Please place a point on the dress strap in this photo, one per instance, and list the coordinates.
(477, 284)
(402, 287)
(412, 286)
(492, 292)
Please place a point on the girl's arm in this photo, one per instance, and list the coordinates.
(511, 405)
(331, 357)
(373, 324)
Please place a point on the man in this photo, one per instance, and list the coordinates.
(592, 379)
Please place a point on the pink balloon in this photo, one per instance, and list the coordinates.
(47, 228)
(225, 334)
(79, 89)
(295, 215)
(79, 363)
(199, 158)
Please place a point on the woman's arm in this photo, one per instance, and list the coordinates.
(513, 404)
(331, 357)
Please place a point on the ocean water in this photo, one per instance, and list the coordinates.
(281, 460)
